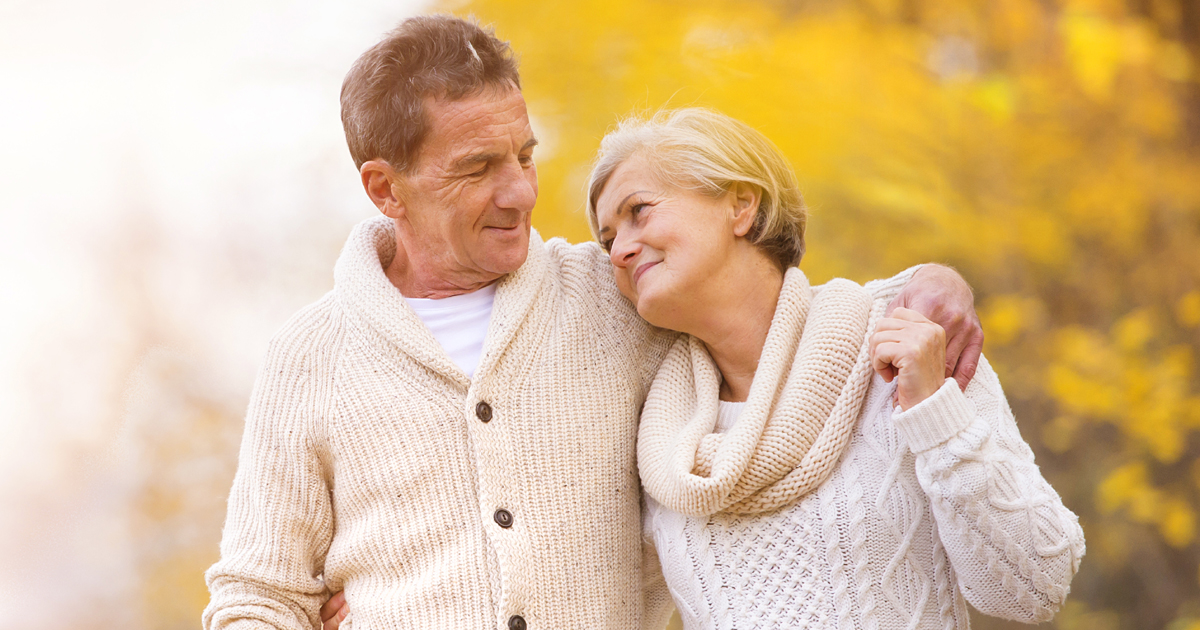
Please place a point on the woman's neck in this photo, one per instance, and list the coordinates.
(736, 324)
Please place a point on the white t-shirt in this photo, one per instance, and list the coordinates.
(459, 323)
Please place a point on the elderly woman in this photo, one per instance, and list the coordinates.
(807, 463)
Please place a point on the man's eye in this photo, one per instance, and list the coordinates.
(526, 160)
(478, 173)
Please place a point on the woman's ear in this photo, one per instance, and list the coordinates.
(746, 198)
(381, 182)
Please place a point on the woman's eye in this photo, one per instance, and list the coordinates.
(607, 245)
(636, 209)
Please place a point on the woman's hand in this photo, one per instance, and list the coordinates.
(940, 294)
(334, 611)
(910, 347)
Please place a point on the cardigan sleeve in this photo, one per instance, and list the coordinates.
(1013, 545)
(279, 522)
(888, 288)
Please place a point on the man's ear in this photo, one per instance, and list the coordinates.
(745, 198)
(383, 185)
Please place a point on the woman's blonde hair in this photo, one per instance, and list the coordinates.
(706, 151)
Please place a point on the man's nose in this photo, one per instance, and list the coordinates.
(517, 189)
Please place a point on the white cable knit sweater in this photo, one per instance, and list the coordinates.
(925, 508)
(371, 463)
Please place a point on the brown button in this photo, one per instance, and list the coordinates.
(504, 519)
(483, 411)
(516, 622)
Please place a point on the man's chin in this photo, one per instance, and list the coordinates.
(509, 261)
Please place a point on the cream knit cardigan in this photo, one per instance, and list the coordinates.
(367, 464)
(923, 508)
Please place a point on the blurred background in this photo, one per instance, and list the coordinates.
(174, 184)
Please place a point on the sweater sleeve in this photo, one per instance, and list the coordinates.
(279, 522)
(1012, 543)
(888, 288)
(656, 599)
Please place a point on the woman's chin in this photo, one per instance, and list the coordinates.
(658, 314)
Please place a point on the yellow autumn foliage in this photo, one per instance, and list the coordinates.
(1049, 149)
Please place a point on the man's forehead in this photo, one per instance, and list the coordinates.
(490, 113)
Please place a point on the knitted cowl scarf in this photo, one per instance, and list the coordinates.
(806, 396)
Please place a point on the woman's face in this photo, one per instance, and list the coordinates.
(667, 244)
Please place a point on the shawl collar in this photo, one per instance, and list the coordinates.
(362, 286)
(805, 399)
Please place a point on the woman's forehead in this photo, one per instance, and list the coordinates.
(632, 175)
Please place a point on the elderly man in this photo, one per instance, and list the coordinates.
(449, 434)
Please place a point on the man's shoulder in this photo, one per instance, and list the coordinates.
(311, 331)
(586, 259)
(584, 268)
(586, 276)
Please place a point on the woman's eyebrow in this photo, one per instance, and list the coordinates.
(621, 206)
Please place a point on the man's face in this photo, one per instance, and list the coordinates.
(470, 195)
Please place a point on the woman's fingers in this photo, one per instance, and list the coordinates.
(907, 315)
(963, 344)
(909, 347)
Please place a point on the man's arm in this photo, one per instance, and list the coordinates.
(940, 293)
(280, 521)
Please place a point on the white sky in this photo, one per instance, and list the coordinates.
(205, 114)
(171, 103)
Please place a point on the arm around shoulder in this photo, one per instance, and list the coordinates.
(280, 521)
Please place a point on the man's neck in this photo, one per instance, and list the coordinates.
(417, 280)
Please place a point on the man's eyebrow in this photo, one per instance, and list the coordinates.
(480, 158)
(475, 158)
(621, 206)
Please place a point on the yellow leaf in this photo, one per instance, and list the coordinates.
(1174, 62)
(1059, 434)
(1005, 316)
(1094, 49)
(1133, 331)
(1178, 524)
(1187, 310)
(1120, 486)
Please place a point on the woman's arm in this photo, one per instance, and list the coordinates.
(1013, 545)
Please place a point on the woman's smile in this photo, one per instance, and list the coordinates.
(642, 269)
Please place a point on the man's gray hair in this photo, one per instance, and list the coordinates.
(439, 56)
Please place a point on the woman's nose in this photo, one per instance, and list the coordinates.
(623, 251)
